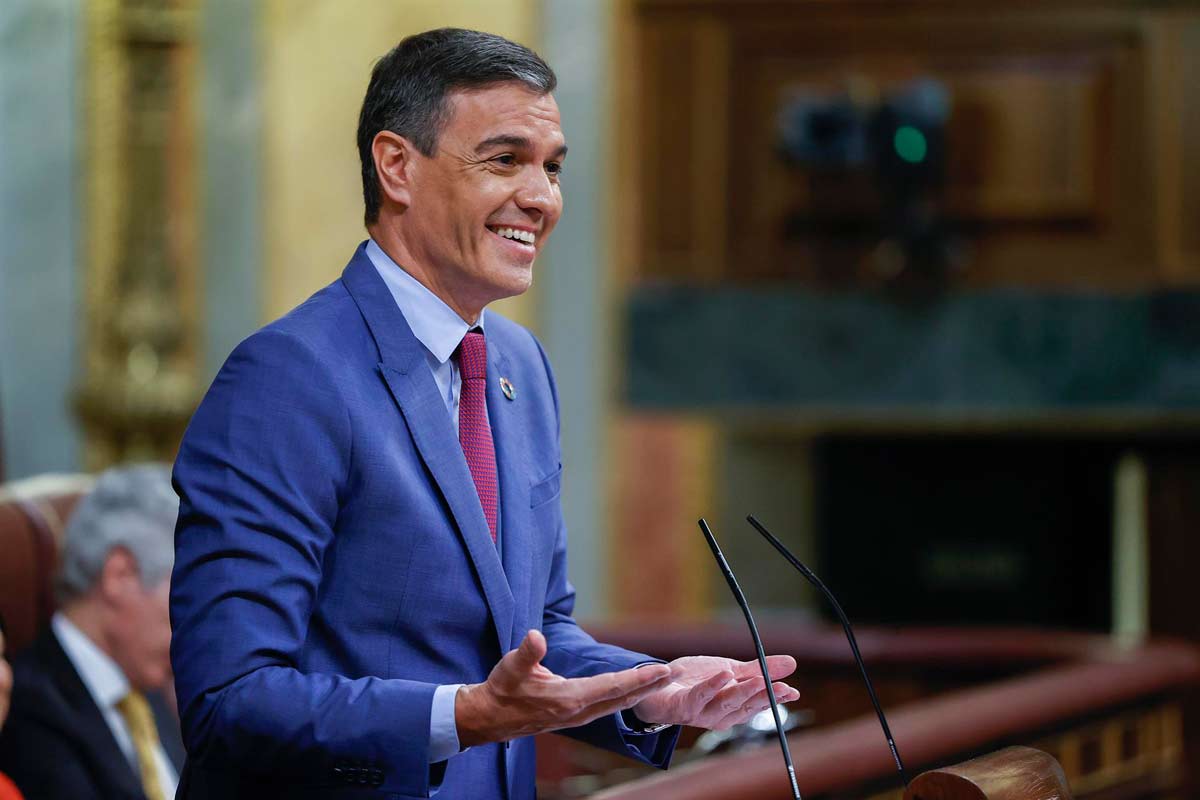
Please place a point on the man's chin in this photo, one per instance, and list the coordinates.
(514, 280)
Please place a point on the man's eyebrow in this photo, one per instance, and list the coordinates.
(512, 140)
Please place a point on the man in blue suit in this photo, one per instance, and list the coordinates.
(370, 595)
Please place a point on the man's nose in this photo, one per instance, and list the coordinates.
(537, 193)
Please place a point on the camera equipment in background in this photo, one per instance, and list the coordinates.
(875, 167)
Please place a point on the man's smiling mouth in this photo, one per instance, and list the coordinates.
(513, 234)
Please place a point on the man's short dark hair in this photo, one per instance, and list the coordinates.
(408, 93)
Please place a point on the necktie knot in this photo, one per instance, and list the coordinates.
(472, 356)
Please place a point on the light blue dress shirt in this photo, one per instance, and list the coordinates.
(440, 329)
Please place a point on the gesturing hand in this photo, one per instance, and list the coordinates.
(715, 693)
(522, 698)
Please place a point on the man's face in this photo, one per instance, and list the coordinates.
(141, 633)
(483, 205)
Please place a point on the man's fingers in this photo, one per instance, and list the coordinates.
(760, 702)
(704, 691)
(778, 666)
(715, 683)
(783, 692)
(612, 706)
(743, 700)
(753, 707)
(616, 686)
(737, 695)
(531, 651)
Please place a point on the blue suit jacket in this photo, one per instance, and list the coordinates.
(333, 564)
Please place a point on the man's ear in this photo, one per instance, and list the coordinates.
(394, 163)
(118, 575)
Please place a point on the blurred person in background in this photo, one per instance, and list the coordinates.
(81, 724)
(7, 790)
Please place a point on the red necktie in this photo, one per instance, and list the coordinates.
(474, 433)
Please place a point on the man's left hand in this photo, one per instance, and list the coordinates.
(716, 693)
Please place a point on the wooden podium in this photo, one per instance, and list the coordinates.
(1112, 714)
(1015, 773)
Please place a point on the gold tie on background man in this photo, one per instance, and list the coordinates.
(140, 720)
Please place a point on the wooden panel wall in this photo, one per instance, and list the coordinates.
(667, 480)
(1073, 145)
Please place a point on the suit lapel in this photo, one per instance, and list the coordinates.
(406, 373)
(509, 435)
(87, 725)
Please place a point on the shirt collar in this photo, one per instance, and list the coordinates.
(100, 674)
(435, 324)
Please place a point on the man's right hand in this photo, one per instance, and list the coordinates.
(522, 698)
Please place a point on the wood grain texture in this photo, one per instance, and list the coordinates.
(1014, 773)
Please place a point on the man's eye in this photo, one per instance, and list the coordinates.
(554, 168)
(507, 160)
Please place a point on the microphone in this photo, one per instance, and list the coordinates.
(758, 646)
(862, 668)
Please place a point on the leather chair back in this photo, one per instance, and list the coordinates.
(33, 516)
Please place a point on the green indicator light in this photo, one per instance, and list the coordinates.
(910, 144)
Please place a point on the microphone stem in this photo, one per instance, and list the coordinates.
(887, 731)
(758, 646)
(837, 607)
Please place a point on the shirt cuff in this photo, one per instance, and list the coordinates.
(443, 732)
(628, 724)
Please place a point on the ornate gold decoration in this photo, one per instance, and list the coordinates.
(139, 387)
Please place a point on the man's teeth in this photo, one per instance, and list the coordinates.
(521, 236)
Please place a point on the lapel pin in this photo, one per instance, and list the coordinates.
(509, 390)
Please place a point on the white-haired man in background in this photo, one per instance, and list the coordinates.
(81, 725)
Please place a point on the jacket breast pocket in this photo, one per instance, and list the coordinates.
(546, 489)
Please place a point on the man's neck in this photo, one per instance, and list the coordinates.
(393, 245)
